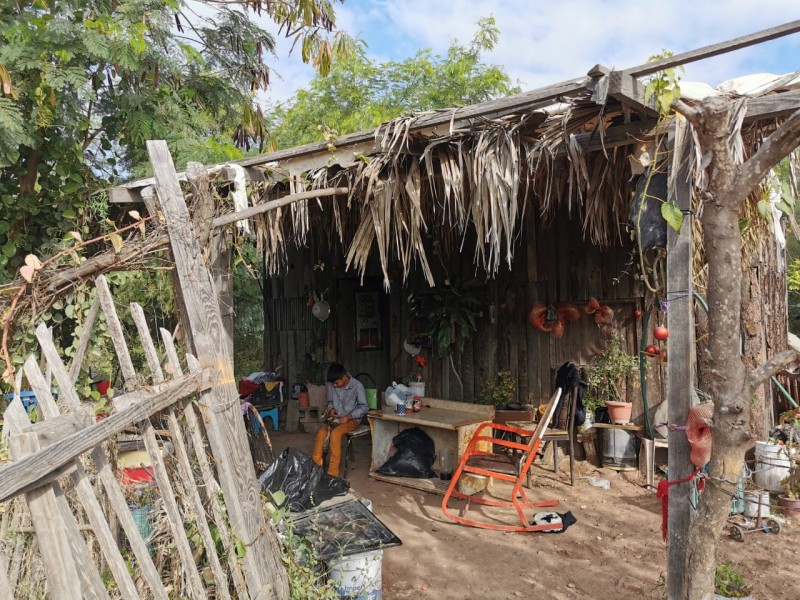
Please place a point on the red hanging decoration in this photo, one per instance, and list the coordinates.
(551, 319)
(603, 314)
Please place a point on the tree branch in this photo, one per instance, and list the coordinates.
(785, 139)
(692, 114)
(777, 363)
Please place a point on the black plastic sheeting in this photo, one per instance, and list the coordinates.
(414, 456)
(650, 227)
(302, 480)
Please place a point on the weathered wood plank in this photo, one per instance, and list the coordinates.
(213, 490)
(266, 575)
(83, 342)
(184, 466)
(715, 49)
(117, 335)
(172, 354)
(147, 343)
(680, 368)
(51, 530)
(18, 474)
(168, 497)
(185, 470)
(119, 505)
(6, 589)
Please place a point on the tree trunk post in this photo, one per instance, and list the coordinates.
(680, 367)
(265, 574)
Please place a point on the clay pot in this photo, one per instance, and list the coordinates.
(303, 400)
(790, 506)
(619, 413)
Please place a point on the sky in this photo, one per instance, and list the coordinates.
(543, 42)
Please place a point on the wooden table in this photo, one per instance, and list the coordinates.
(450, 425)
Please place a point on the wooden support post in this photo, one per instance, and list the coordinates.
(680, 367)
(266, 576)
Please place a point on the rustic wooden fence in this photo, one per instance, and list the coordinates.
(62, 466)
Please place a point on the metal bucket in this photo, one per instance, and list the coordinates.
(619, 450)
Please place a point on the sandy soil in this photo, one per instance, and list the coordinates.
(614, 551)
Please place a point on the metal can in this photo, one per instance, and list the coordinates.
(417, 403)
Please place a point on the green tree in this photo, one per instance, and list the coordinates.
(360, 93)
(84, 83)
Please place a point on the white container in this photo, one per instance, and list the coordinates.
(417, 388)
(772, 466)
(752, 501)
(357, 577)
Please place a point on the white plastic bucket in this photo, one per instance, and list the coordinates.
(752, 501)
(357, 577)
(417, 388)
(772, 465)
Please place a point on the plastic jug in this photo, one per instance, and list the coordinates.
(372, 398)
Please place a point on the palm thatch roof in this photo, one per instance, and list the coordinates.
(461, 179)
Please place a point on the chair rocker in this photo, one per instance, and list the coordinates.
(512, 467)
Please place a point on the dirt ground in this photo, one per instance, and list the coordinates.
(614, 550)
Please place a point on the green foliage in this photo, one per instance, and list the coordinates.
(606, 371)
(498, 389)
(672, 215)
(729, 583)
(449, 314)
(663, 85)
(360, 93)
(84, 83)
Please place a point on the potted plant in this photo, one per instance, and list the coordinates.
(417, 380)
(499, 391)
(608, 368)
(729, 584)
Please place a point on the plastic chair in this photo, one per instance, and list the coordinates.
(349, 452)
(512, 467)
(271, 411)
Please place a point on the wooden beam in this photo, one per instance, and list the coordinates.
(273, 204)
(680, 367)
(16, 475)
(266, 576)
(715, 49)
(624, 87)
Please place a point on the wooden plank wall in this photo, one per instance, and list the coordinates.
(551, 264)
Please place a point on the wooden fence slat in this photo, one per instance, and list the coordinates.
(147, 343)
(212, 487)
(174, 517)
(18, 474)
(51, 530)
(266, 575)
(6, 590)
(83, 342)
(116, 333)
(184, 466)
(119, 505)
(172, 354)
(86, 493)
(185, 469)
(160, 473)
(67, 394)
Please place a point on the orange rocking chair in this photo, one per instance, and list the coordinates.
(512, 467)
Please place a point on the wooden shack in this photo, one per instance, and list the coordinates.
(527, 198)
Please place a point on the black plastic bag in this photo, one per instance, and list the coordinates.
(649, 226)
(414, 456)
(301, 479)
